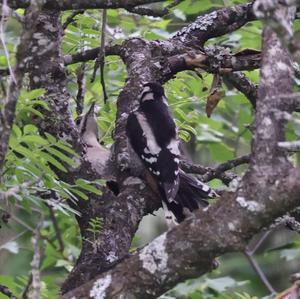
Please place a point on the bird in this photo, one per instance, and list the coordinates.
(153, 135)
(95, 153)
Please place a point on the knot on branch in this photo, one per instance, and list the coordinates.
(215, 56)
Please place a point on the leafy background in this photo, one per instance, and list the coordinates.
(209, 141)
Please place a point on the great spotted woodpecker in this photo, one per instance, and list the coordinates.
(152, 133)
(95, 153)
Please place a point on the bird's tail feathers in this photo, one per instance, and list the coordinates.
(170, 190)
(192, 194)
(199, 188)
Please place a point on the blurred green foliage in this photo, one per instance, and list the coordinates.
(33, 158)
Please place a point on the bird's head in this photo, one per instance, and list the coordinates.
(152, 91)
(88, 126)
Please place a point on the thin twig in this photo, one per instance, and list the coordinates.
(5, 291)
(249, 253)
(102, 50)
(56, 228)
(209, 173)
(293, 146)
(35, 264)
(258, 242)
(27, 287)
(260, 273)
(4, 195)
(14, 238)
(81, 82)
(5, 9)
(100, 61)
(70, 19)
(21, 222)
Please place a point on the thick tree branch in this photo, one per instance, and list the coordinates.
(213, 60)
(244, 85)
(149, 61)
(120, 216)
(146, 11)
(158, 266)
(215, 24)
(5, 291)
(91, 54)
(240, 215)
(145, 61)
(59, 5)
(268, 12)
(7, 113)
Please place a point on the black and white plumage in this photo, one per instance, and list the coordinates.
(153, 136)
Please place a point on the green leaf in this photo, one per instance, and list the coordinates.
(35, 139)
(61, 156)
(32, 94)
(51, 138)
(53, 161)
(29, 129)
(79, 193)
(87, 186)
(66, 147)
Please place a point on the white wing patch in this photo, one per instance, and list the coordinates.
(173, 147)
(151, 160)
(152, 145)
(148, 97)
(206, 188)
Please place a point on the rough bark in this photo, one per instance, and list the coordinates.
(270, 179)
(59, 5)
(268, 190)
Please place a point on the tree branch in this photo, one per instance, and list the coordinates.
(209, 173)
(70, 19)
(146, 11)
(293, 146)
(5, 291)
(215, 24)
(91, 54)
(244, 85)
(7, 114)
(159, 265)
(60, 5)
(187, 245)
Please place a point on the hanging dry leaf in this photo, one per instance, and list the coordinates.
(215, 95)
(213, 100)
